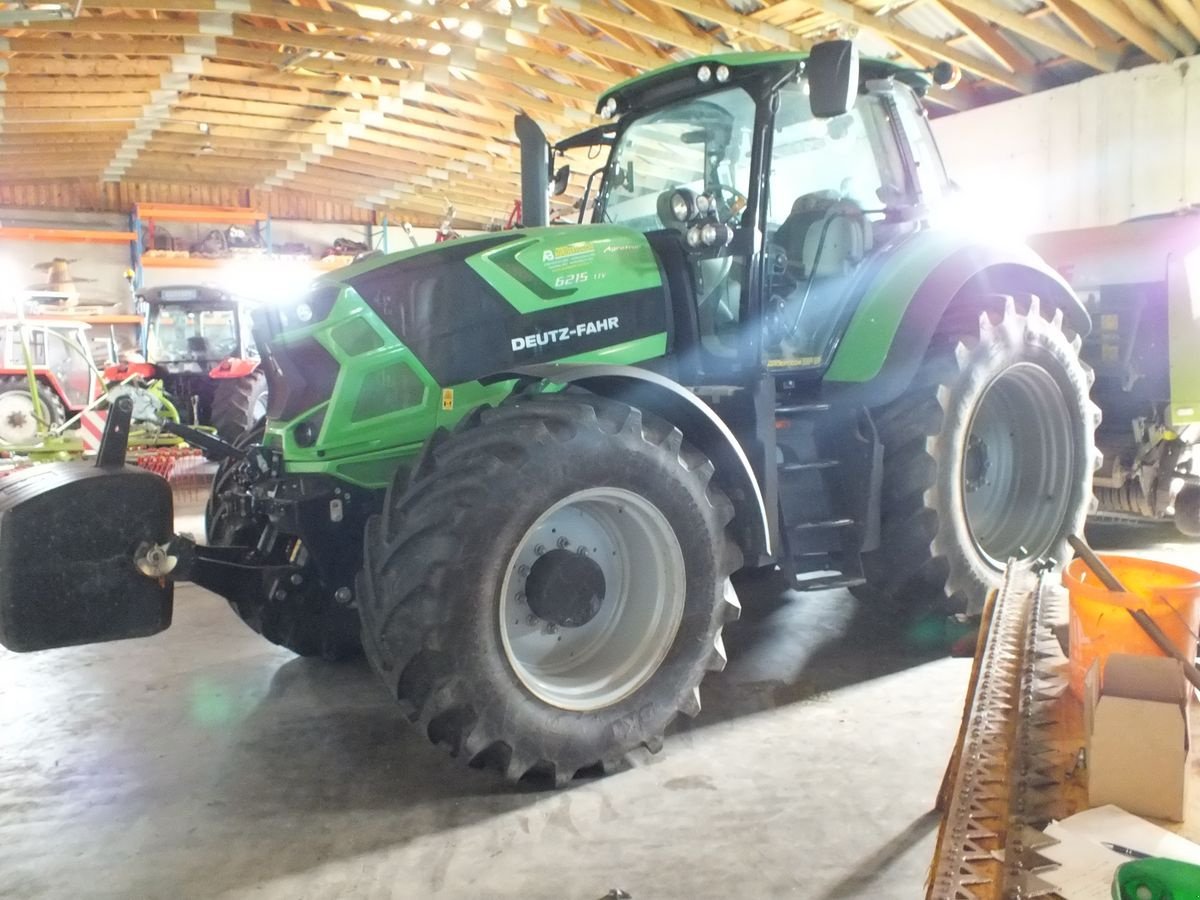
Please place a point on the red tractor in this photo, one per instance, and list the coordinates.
(59, 353)
(196, 340)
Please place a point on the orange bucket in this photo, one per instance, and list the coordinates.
(1100, 625)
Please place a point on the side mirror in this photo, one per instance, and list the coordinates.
(832, 78)
(561, 177)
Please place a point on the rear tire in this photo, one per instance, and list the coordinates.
(238, 403)
(476, 557)
(18, 423)
(308, 622)
(991, 450)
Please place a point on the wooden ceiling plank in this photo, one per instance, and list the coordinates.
(597, 12)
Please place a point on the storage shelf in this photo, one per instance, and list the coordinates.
(65, 235)
(215, 215)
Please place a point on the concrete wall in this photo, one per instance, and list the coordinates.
(1097, 152)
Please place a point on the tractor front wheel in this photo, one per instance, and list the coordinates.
(238, 403)
(308, 622)
(549, 588)
(19, 423)
(989, 456)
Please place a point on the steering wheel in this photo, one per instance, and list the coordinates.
(736, 205)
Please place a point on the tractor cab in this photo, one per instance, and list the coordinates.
(60, 354)
(192, 328)
(778, 180)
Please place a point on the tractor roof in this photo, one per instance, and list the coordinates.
(652, 88)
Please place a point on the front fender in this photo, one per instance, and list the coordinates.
(695, 418)
(909, 297)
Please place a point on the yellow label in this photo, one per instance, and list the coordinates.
(795, 363)
(1110, 353)
(447, 398)
(1110, 322)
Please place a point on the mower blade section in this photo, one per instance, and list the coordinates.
(69, 533)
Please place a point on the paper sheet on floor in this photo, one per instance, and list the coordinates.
(1086, 866)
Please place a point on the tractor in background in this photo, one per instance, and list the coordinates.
(197, 341)
(58, 354)
(518, 470)
(1140, 281)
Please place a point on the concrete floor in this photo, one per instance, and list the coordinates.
(207, 763)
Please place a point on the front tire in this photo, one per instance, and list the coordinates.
(19, 423)
(308, 622)
(507, 644)
(988, 456)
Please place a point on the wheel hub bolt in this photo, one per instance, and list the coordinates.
(582, 551)
(297, 579)
(342, 595)
(550, 628)
(532, 619)
(520, 596)
(523, 571)
(563, 543)
(280, 595)
(539, 549)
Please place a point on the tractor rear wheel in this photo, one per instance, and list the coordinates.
(988, 456)
(308, 622)
(19, 423)
(238, 403)
(549, 588)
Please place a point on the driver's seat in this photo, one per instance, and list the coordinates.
(824, 235)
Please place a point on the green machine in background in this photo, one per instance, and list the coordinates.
(1141, 283)
(518, 470)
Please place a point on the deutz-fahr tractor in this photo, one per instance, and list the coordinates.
(197, 341)
(519, 469)
(1140, 283)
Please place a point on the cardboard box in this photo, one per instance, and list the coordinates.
(1136, 726)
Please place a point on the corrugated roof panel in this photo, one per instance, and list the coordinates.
(933, 21)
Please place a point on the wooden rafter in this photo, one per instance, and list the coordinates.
(409, 106)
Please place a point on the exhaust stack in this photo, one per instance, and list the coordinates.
(535, 172)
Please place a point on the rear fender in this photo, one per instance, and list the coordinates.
(699, 423)
(234, 368)
(121, 371)
(891, 330)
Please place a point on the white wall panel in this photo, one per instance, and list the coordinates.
(1093, 153)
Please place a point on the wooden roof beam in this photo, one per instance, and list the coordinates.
(893, 31)
(990, 38)
(1040, 33)
(1187, 14)
(1083, 24)
(1123, 23)
(1149, 14)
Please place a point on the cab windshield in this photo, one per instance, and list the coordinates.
(179, 332)
(700, 143)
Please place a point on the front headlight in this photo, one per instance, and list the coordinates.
(681, 206)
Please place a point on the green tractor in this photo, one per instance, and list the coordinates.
(518, 470)
(1140, 283)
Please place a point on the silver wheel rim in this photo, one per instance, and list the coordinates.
(1017, 465)
(602, 661)
(18, 424)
